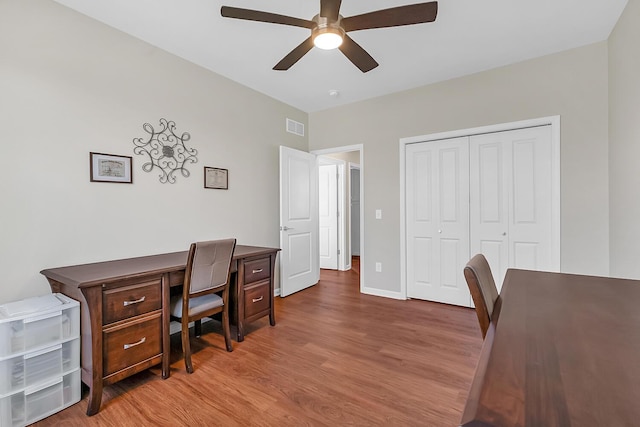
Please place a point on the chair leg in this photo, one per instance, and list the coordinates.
(225, 328)
(186, 347)
(197, 328)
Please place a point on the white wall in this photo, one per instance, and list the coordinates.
(70, 85)
(624, 145)
(572, 84)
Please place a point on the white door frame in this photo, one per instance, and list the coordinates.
(353, 166)
(360, 149)
(553, 121)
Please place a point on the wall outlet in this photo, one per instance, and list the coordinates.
(379, 267)
(378, 213)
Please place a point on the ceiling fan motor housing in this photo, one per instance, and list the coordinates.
(326, 26)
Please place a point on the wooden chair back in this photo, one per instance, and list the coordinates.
(483, 289)
(205, 291)
(208, 266)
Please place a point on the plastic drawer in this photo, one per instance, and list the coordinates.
(30, 369)
(35, 403)
(37, 330)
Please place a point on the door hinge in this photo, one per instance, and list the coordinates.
(338, 251)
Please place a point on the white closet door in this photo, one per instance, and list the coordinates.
(437, 189)
(510, 193)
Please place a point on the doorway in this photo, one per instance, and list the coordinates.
(349, 215)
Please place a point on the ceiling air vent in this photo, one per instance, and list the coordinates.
(295, 127)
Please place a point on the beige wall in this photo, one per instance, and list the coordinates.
(572, 84)
(624, 143)
(68, 86)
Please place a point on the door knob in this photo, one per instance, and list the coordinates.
(440, 231)
(285, 228)
(504, 234)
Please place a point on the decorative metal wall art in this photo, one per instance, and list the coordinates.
(166, 151)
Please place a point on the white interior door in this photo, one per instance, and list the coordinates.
(511, 205)
(437, 218)
(299, 260)
(328, 215)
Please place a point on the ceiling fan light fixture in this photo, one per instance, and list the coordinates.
(327, 38)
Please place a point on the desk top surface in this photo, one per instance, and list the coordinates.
(563, 351)
(94, 273)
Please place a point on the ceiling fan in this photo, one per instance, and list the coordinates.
(329, 29)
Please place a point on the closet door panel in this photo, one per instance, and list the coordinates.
(530, 213)
(423, 249)
(524, 182)
(422, 270)
(525, 255)
(489, 181)
(449, 186)
(489, 203)
(437, 195)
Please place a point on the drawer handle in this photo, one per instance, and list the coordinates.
(138, 301)
(258, 299)
(257, 271)
(128, 346)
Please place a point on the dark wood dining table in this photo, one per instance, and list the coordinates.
(561, 350)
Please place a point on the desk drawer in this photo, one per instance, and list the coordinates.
(130, 301)
(131, 342)
(257, 270)
(256, 298)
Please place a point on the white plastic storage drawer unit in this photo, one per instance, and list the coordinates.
(39, 358)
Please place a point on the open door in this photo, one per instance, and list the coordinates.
(328, 218)
(299, 232)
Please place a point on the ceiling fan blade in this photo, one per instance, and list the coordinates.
(330, 9)
(357, 55)
(256, 15)
(295, 55)
(393, 17)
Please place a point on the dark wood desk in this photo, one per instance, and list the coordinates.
(124, 309)
(563, 351)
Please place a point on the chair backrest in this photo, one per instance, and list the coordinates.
(208, 265)
(483, 289)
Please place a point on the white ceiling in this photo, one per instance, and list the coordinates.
(468, 36)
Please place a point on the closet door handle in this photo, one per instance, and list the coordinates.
(504, 233)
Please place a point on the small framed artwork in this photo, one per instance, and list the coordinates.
(110, 168)
(216, 178)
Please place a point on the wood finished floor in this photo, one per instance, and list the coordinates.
(335, 357)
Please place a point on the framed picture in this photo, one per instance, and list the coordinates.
(216, 178)
(110, 168)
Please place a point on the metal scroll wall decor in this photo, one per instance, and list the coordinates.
(165, 150)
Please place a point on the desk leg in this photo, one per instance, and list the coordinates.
(272, 290)
(95, 397)
(166, 329)
(92, 334)
(240, 300)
